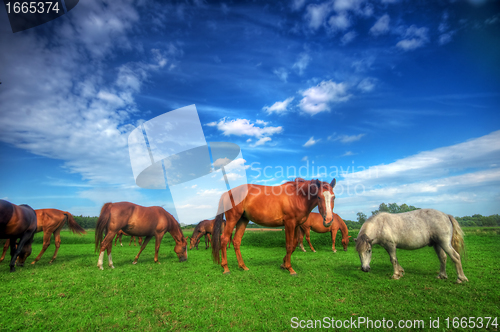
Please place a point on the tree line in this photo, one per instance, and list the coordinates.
(467, 221)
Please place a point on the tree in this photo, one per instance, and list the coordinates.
(361, 218)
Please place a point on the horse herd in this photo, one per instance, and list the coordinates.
(290, 206)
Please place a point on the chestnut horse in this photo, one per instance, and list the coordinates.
(51, 221)
(205, 227)
(132, 238)
(17, 222)
(288, 204)
(314, 222)
(137, 220)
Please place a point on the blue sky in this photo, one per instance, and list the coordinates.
(399, 100)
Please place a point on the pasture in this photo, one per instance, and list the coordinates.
(72, 294)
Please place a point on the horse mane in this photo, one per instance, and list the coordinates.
(362, 242)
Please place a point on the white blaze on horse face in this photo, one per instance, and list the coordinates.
(328, 205)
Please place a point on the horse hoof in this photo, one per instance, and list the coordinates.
(226, 272)
(314, 250)
(33, 263)
(134, 262)
(293, 274)
(101, 268)
(335, 251)
(396, 277)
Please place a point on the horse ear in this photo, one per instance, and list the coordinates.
(334, 182)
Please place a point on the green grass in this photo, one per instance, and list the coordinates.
(72, 294)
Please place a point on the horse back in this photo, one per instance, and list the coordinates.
(15, 220)
(52, 218)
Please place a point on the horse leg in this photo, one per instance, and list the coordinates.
(206, 241)
(442, 259)
(57, 239)
(226, 234)
(455, 257)
(301, 239)
(238, 235)
(144, 244)
(210, 240)
(308, 238)
(116, 239)
(120, 236)
(158, 238)
(398, 270)
(291, 242)
(5, 246)
(110, 260)
(26, 236)
(46, 243)
(334, 236)
(107, 242)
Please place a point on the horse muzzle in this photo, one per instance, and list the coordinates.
(365, 268)
(182, 259)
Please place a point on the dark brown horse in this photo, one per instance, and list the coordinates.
(51, 221)
(137, 220)
(17, 222)
(315, 222)
(205, 227)
(287, 205)
(132, 238)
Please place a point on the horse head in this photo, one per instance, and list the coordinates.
(194, 238)
(345, 242)
(181, 249)
(364, 249)
(326, 199)
(24, 254)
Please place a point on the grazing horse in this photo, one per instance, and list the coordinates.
(52, 221)
(315, 223)
(205, 227)
(137, 220)
(286, 205)
(132, 238)
(412, 230)
(17, 222)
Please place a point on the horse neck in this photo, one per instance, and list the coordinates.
(310, 201)
(342, 227)
(175, 231)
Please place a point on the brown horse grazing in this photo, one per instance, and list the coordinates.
(289, 204)
(51, 221)
(132, 238)
(205, 227)
(315, 223)
(17, 222)
(137, 220)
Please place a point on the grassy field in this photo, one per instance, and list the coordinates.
(72, 294)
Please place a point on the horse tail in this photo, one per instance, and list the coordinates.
(217, 232)
(73, 225)
(457, 240)
(102, 224)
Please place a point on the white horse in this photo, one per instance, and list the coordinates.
(412, 230)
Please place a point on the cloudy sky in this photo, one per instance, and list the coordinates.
(399, 100)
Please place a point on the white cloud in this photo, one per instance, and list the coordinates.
(311, 142)
(346, 138)
(348, 37)
(281, 73)
(316, 14)
(367, 84)
(414, 38)
(348, 153)
(339, 22)
(305, 158)
(262, 141)
(318, 99)
(279, 107)
(243, 127)
(302, 63)
(381, 26)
